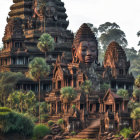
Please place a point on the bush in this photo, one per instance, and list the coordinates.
(5, 109)
(135, 114)
(50, 123)
(40, 131)
(12, 122)
(73, 106)
(60, 121)
(73, 133)
(125, 132)
(44, 117)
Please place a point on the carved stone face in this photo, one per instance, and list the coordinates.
(87, 51)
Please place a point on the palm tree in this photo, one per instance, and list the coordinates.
(123, 92)
(38, 69)
(46, 43)
(67, 95)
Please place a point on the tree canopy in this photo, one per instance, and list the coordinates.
(135, 114)
(86, 87)
(68, 93)
(111, 32)
(122, 92)
(46, 43)
(38, 69)
(8, 81)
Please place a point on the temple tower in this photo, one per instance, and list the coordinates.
(28, 20)
(117, 68)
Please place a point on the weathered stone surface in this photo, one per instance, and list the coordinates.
(56, 129)
(49, 137)
(58, 138)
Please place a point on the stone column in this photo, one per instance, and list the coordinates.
(116, 86)
(124, 86)
(10, 60)
(56, 107)
(114, 107)
(51, 108)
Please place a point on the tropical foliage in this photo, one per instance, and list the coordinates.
(46, 43)
(38, 70)
(8, 81)
(122, 92)
(21, 101)
(68, 93)
(12, 122)
(86, 87)
(104, 87)
(111, 32)
(40, 131)
(135, 114)
(125, 132)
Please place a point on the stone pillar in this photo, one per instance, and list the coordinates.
(114, 107)
(51, 108)
(116, 86)
(10, 60)
(104, 108)
(56, 107)
(123, 106)
(124, 86)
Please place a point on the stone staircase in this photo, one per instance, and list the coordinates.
(55, 117)
(91, 131)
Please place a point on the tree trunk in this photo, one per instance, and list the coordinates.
(39, 100)
(45, 55)
(44, 24)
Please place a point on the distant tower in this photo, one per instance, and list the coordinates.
(117, 68)
(26, 22)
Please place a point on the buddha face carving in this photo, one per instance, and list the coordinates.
(86, 51)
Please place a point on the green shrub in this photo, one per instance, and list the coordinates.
(5, 109)
(117, 136)
(50, 123)
(44, 117)
(73, 106)
(73, 133)
(40, 131)
(12, 122)
(135, 114)
(125, 132)
(60, 121)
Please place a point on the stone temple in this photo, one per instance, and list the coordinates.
(74, 60)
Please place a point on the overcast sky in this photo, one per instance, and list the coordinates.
(126, 13)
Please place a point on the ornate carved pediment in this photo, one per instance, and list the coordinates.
(13, 29)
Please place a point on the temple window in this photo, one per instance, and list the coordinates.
(81, 106)
(74, 82)
(91, 107)
(126, 71)
(56, 39)
(121, 85)
(59, 84)
(18, 44)
(109, 108)
(121, 71)
(97, 107)
(117, 107)
(80, 83)
(20, 61)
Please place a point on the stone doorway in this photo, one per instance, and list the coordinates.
(109, 108)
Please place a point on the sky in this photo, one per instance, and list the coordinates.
(124, 12)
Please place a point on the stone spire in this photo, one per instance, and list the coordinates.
(84, 33)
